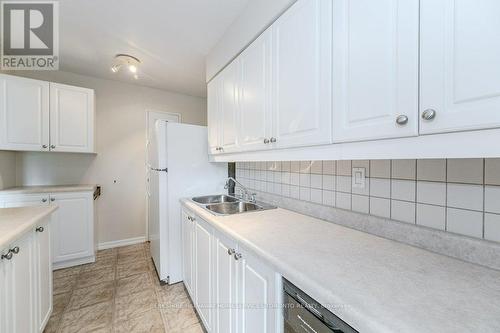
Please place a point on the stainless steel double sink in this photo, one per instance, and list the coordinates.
(222, 204)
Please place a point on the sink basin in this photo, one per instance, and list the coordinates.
(212, 199)
(228, 208)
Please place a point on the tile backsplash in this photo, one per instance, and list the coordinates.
(461, 196)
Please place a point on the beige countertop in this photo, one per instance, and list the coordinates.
(48, 189)
(14, 222)
(377, 285)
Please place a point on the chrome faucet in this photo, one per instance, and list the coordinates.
(246, 195)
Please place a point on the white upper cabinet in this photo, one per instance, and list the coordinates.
(255, 120)
(375, 69)
(229, 107)
(302, 42)
(43, 116)
(213, 115)
(460, 65)
(71, 119)
(24, 114)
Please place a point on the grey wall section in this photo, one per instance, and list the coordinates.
(256, 16)
(7, 169)
(121, 147)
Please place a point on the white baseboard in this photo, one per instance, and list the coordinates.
(73, 262)
(121, 242)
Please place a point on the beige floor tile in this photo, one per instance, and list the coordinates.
(132, 269)
(148, 322)
(181, 317)
(130, 306)
(103, 262)
(53, 324)
(87, 296)
(131, 257)
(64, 284)
(99, 276)
(67, 272)
(88, 319)
(107, 252)
(131, 248)
(133, 284)
(196, 328)
(59, 303)
(173, 294)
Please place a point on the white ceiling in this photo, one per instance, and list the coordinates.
(170, 37)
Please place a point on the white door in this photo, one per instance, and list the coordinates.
(225, 284)
(255, 120)
(72, 115)
(229, 107)
(24, 114)
(203, 272)
(375, 69)
(257, 293)
(72, 226)
(214, 114)
(460, 65)
(187, 252)
(43, 273)
(302, 40)
(25, 200)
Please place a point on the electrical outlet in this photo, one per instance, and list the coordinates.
(358, 178)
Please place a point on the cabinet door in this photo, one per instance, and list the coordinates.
(225, 284)
(460, 67)
(5, 321)
(25, 200)
(203, 272)
(375, 81)
(214, 114)
(187, 252)
(71, 119)
(73, 226)
(257, 292)
(255, 118)
(302, 42)
(229, 107)
(43, 273)
(24, 114)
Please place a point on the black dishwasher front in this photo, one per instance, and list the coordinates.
(302, 314)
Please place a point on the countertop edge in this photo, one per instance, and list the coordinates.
(48, 189)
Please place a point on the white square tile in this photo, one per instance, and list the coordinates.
(431, 216)
(492, 171)
(305, 166)
(492, 199)
(431, 170)
(360, 203)
(317, 167)
(277, 166)
(465, 222)
(380, 168)
(277, 177)
(285, 166)
(492, 227)
(305, 193)
(343, 200)
(294, 192)
(465, 170)
(329, 182)
(285, 190)
(362, 191)
(317, 196)
(403, 189)
(316, 181)
(362, 164)
(343, 184)
(285, 177)
(344, 168)
(295, 166)
(270, 166)
(433, 193)
(277, 188)
(329, 198)
(465, 196)
(305, 180)
(380, 187)
(380, 207)
(295, 179)
(269, 187)
(329, 167)
(269, 176)
(404, 169)
(403, 211)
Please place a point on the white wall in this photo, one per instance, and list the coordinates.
(255, 18)
(121, 135)
(7, 169)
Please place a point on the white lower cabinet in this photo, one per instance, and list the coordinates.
(233, 290)
(26, 282)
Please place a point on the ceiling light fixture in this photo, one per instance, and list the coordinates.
(128, 61)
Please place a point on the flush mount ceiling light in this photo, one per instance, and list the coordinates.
(127, 61)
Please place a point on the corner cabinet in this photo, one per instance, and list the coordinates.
(233, 290)
(44, 116)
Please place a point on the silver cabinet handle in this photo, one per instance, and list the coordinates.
(52, 199)
(266, 141)
(7, 256)
(429, 114)
(15, 250)
(237, 256)
(231, 251)
(273, 140)
(44, 146)
(44, 200)
(52, 146)
(402, 119)
(189, 218)
(217, 148)
(39, 229)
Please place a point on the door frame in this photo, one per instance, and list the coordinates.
(167, 116)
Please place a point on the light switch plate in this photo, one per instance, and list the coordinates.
(358, 178)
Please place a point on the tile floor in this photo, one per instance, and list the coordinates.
(120, 292)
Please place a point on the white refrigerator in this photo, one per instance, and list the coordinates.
(178, 168)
